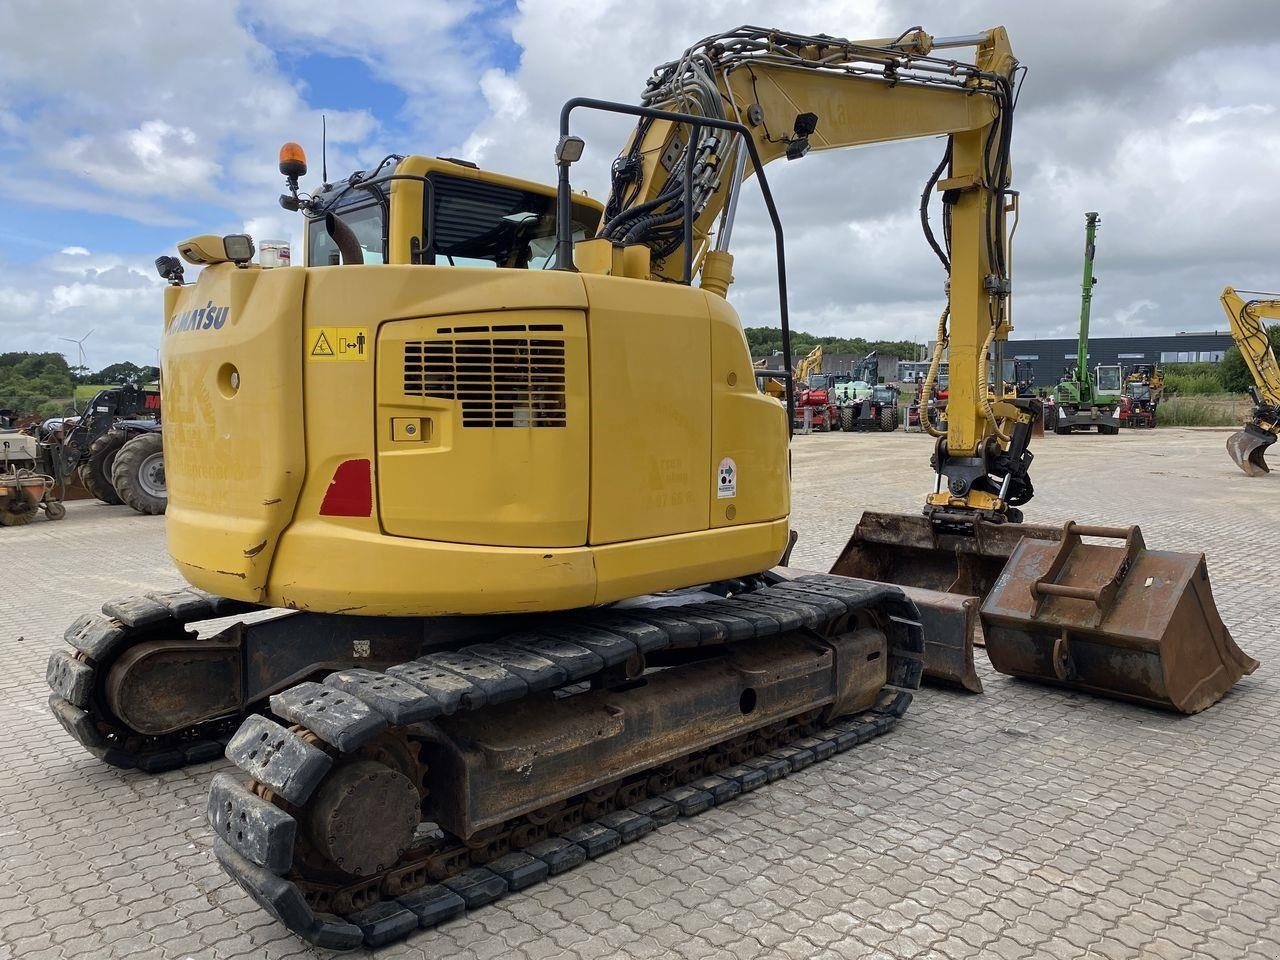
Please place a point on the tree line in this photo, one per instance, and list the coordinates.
(43, 384)
(766, 341)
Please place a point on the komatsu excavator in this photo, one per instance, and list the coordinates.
(1248, 446)
(525, 617)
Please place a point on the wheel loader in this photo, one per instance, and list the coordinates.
(521, 617)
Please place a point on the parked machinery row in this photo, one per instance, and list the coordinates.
(115, 448)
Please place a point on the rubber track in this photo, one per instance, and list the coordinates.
(76, 677)
(254, 838)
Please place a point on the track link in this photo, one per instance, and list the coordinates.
(360, 723)
(77, 676)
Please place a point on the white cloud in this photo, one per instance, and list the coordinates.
(1171, 141)
(1205, 114)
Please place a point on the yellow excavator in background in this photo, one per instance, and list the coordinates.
(810, 365)
(769, 384)
(1248, 446)
(532, 617)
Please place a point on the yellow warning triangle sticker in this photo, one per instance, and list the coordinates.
(322, 347)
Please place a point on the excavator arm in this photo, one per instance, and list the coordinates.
(1248, 446)
(811, 364)
(799, 93)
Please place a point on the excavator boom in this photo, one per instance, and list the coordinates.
(1248, 446)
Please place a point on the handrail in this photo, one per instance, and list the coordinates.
(564, 199)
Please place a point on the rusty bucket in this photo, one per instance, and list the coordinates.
(945, 574)
(1121, 621)
(1248, 448)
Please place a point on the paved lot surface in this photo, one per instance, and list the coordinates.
(1022, 823)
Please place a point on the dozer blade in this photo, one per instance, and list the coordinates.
(946, 575)
(1121, 621)
(950, 622)
(1248, 448)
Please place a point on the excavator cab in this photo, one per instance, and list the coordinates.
(437, 211)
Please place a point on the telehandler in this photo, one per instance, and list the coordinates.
(1248, 446)
(528, 617)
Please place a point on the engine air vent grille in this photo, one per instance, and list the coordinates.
(499, 381)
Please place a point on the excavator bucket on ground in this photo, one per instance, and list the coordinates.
(1129, 623)
(1248, 448)
(946, 575)
(1122, 621)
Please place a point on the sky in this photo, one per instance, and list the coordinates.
(157, 124)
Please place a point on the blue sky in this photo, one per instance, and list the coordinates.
(156, 124)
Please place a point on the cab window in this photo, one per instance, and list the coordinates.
(365, 220)
(478, 224)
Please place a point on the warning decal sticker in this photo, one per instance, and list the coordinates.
(338, 343)
(727, 480)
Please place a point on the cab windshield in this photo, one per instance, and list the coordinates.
(1109, 379)
(471, 224)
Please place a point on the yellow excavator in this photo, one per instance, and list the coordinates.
(523, 618)
(1248, 446)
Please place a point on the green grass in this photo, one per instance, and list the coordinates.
(1200, 412)
(87, 391)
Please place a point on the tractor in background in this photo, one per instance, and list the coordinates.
(115, 448)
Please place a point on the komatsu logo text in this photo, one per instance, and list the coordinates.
(208, 317)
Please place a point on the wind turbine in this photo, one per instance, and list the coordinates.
(79, 360)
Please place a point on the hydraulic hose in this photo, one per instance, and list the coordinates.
(984, 401)
(926, 392)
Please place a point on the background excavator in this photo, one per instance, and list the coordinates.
(553, 616)
(815, 403)
(1248, 446)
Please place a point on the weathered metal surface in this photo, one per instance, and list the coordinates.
(950, 622)
(1248, 449)
(363, 816)
(906, 550)
(726, 718)
(1124, 622)
(161, 686)
(910, 552)
(511, 759)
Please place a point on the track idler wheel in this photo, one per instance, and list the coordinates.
(1248, 448)
(363, 817)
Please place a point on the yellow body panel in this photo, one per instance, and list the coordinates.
(650, 409)
(234, 447)
(463, 518)
(760, 459)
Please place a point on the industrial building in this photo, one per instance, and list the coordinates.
(1050, 357)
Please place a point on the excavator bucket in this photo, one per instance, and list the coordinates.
(1248, 448)
(946, 575)
(1121, 621)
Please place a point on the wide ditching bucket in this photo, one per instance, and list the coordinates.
(1133, 623)
(1121, 621)
(1248, 448)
